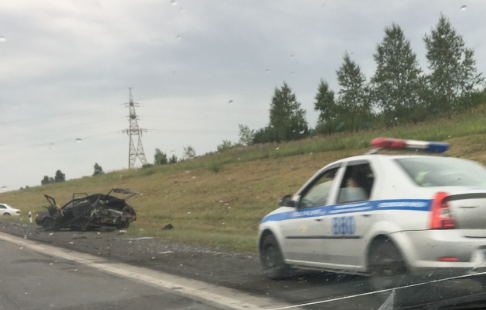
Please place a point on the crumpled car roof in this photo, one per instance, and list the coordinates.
(125, 191)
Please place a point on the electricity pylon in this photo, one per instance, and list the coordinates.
(134, 132)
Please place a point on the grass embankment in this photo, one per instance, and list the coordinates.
(224, 208)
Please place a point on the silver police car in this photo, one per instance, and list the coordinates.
(382, 216)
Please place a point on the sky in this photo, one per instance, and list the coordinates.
(196, 68)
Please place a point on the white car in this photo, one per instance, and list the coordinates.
(382, 216)
(7, 210)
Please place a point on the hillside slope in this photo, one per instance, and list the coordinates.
(224, 208)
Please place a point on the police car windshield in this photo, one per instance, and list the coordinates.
(439, 171)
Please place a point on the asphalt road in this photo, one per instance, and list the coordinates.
(229, 269)
(30, 280)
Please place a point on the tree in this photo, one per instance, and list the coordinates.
(325, 103)
(98, 170)
(287, 119)
(246, 135)
(397, 83)
(453, 74)
(189, 152)
(160, 158)
(45, 180)
(59, 177)
(353, 105)
(173, 159)
(227, 145)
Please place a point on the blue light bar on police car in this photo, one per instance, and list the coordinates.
(398, 144)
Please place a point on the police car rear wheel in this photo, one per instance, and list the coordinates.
(387, 267)
(271, 258)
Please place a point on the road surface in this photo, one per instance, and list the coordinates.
(30, 280)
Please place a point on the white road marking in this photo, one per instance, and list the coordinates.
(217, 296)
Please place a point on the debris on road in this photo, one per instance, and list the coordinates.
(135, 239)
(97, 211)
(167, 227)
(79, 237)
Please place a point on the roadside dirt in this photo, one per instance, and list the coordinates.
(217, 266)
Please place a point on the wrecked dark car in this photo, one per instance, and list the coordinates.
(89, 212)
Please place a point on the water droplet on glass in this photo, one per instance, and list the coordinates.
(340, 126)
(75, 270)
(2, 39)
(182, 10)
(25, 236)
(51, 234)
(231, 101)
(463, 8)
(449, 136)
(193, 177)
(267, 71)
(179, 38)
(79, 140)
(188, 212)
(223, 223)
(173, 2)
(292, 56)
(310, 153)
(239, 158)
(188, 171)
(292, 73)
(229, 207)
(153, 257)
(277, 148)
(302, 132)
(221, 201)
(4, 187)
(50, 264)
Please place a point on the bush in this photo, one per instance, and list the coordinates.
(215, 166)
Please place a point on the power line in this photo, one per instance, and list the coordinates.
(72, 126)
(78, 113)
(194, 131)
(219, 109)
(44, 137)
(60, 141)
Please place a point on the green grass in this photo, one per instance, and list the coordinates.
(219, 199)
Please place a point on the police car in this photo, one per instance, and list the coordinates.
(382, 216)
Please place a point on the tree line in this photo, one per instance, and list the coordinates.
(399, 92)
(61, 177)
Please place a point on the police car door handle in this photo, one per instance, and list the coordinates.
(319, 219)
(366, 215)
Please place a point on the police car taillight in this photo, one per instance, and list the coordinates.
(399, 144)
(441, 217)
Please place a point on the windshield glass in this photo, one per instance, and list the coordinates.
(439, 171)
(167, 130)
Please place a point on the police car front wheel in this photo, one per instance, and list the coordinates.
(272, 260)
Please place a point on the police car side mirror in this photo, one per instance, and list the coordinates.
(286, 201)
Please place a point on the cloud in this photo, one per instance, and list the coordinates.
(66, 66)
